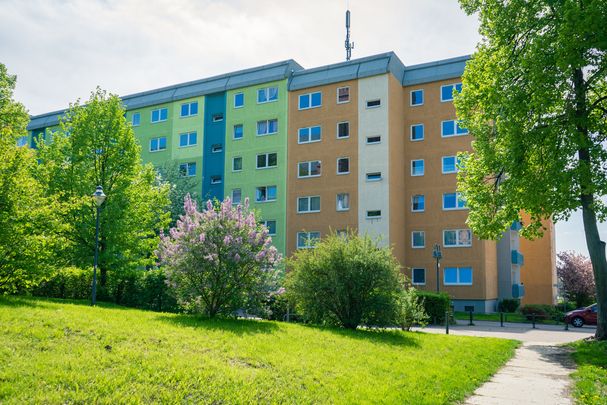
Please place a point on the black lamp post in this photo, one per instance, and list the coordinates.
(437, 254)
(99, 198)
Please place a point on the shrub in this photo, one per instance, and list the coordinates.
(66, 283)
(540, 311)
(156, 294)
(577, 278)
(345, 281)
(218, 260)
(411, 309)
(275, 306)
(508, 305)
(435, 305)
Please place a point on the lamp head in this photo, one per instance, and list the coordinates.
(99, 196)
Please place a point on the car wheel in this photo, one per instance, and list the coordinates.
(577, 322)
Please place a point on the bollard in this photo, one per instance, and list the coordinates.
(446, 322)
(471, 323)
(533, 320)
(502, 319)
(435, 321)
(566, 325)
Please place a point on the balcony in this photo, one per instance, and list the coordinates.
(518, 290)
(516, 226)
(517, 258)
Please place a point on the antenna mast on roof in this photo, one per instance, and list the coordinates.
(349, 45)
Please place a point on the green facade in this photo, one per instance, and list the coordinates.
(250, 177)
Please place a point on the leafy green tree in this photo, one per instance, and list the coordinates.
(179, 188)
(346, 281)
(535, 99)
(27, 220)
(93, 146)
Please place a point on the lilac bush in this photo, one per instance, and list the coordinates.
(218, 259)
(575, 273)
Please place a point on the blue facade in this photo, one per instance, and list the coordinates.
(213, 154)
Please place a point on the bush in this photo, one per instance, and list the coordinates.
(508, 305)
(345, 281)
(411, 310)
(275, 306)
(435, 305)
(540, 311)
(66, 283)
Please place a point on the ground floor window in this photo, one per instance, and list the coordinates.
(457, 276)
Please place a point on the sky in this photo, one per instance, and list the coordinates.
(61, 50)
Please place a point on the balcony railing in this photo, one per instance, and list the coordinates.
(518, 291)
(517, 258)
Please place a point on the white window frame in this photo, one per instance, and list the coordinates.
(457, 198)
(308, 238)
(453, 86)
(187, 169)
(413, 239)
(159, 115)
(337, 202)
(310, 210)
(189, 104)
(443, 164)
(455, 126)
(413, 275)
(310, 140)
(218, 117)
(337, 95)
(368, 107)
(234, 161)
(381, 177)
(158, 138)
(234, 132)
(374, 142)
(309, 95)
(217, 148)
(216, 180)
(337, 162)
(423, 167)
(232, 195)
(266, 91)
(458, 268)
(411, 98)
(234, 100)
(189, 145)
(337, 131)
(411, 132)
(264, 222)
(412, 202)
(266, 200)
(457, 241)
(367, 216)
(267, 127)
(138, 114)
(267, 160)
(309, 162)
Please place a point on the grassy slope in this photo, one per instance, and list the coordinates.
(56, 352)
(591, 375)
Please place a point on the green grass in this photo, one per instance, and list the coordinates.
(591, 375)
(495, 317)
(57, 352)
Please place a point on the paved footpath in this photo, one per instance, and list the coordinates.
(539, 371)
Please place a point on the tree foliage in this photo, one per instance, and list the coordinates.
(346, 281)
(179, 188)
(28, 225)
(218, 260)
(535, 99)
(575, 273)
(96, 146)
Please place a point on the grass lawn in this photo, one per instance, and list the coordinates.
(54, 351)
(591, 375)
(495, 317)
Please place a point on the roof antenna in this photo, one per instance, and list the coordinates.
(349, 45)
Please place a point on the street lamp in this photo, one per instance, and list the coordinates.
(437, 254)
(99, 198)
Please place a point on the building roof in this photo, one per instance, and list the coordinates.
(434, 71)
(353, 69)
(228, 81)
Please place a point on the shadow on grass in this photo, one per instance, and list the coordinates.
(236, 326)
(19, 301)
(390, 337)
(37, 302)
(590, 352)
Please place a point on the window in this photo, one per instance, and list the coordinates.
(159, 115)
(189, 109)
(373, 214)
(449, 164)
(343, 165)
(418, 203)
(267, 127)
(237, 164)
(217, 148)
(217, 117)
(267, 94)
(310, 100)
(417, 167)
(417, 97)
(373, 140)
(446, 92)
(418, 239)
(267, 160)
(265, 194)
(343, 95)
(187, 139)
(238, 100)
(417, 132)
(22, 141)
(136, 119)
(457, 276)
(271, 225)
(376, 176)
(215, 179)
(452, 128)
(343, 202)
(309, 134)
(373, 103)
(418, 276)
(187, 169)
(457, 237)
(453, 201)
(306, 205)
(236, 196)
(308, 169)
(158, 144)
(238, 132)
(307, 240)
(343, 130)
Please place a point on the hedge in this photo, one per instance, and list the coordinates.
(435, 305)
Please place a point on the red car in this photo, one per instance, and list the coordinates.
(582, 316)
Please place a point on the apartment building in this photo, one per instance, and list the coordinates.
(368, 144)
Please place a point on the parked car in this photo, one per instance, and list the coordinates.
(582, 316)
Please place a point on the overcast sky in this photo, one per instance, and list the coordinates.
(62, 49)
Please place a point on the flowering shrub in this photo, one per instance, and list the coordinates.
(218, 260)
(575, 273)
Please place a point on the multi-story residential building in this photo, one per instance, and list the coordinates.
(368, 144)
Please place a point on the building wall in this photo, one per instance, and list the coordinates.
(329, 184)
(251, 145)
(214, 134)
(538, 274)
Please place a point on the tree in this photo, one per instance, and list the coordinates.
(575, 273)
(179, 188)
(535, 99)
(95, 146)
(27, 220)
(346, 281)
(411, 309)
(218, 260)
